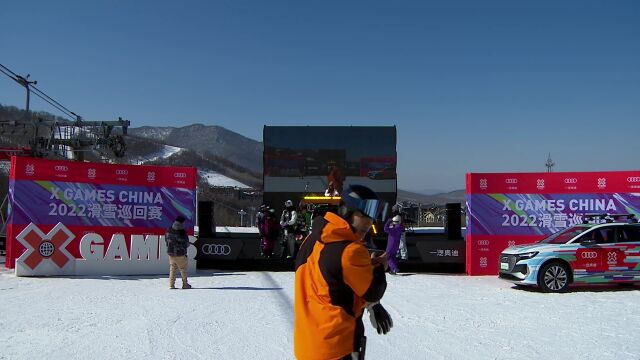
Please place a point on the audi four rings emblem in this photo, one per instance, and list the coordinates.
(589, 255)
(633, 179)
(511, 181)
(216, 249)
(483, 242)
(180, 175)
(570, 181)
(61, 168)
(122, 172)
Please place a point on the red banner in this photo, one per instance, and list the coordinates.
(554, 183)
(34, 169)
(55, 205)
(506, 209)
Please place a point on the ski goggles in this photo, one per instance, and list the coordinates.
(373, 208)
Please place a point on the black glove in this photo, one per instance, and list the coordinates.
(380, 318)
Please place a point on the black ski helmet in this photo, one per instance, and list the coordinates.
(363, 199)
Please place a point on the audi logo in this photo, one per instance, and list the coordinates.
(180, 175)
(483, 242)
(589, 255)
(122, 172)
(633, 179)
(570, 181)
(61, 168)
(511, 181)
(216, 249)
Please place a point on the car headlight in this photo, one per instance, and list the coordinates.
(527, 255)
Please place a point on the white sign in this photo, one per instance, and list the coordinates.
(47, 254)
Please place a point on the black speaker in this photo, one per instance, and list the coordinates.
(206, 221)
(453, 225)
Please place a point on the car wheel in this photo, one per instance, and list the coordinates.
(554, 277)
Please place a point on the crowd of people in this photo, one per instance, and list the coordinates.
(291, 228)
(295, 223)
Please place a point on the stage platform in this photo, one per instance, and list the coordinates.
(429, 250)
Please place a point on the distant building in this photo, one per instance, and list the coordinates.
(428, 217)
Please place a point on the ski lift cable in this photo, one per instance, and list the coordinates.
(70, 114)
(41, 94)
(5, 70)
(14, 77)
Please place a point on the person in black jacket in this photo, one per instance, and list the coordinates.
(177, 242)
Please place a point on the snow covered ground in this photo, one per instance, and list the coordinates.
(166, 151)
(249, 315)
(216, 179)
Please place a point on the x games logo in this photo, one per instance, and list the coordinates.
(41, 247)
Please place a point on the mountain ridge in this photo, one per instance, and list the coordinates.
(456, 196)
(212, 139)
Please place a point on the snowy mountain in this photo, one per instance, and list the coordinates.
(216, 179)
(191, 146)
(165, 152)
(208, 139)
(457, 196)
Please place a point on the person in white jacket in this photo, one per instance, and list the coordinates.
(331, 191)
(288, 221)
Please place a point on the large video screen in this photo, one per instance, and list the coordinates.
(304, 160)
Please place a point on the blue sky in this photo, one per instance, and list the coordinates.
(473, 86)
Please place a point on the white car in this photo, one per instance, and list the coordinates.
(587, 254)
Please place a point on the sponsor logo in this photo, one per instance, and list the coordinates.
(30, 169)
(633, 179)
(589, 255)
(180, 175)
(602, 183)
(483, 242)
(570, 180)
(151, 176)
(540, 184)
(511, 243)
(483, 262)
(483, 184)
(612, 257)
(216, 249)
(91, 173)
(45, 247)
(122, 172)
(511, 181)
(61, 168)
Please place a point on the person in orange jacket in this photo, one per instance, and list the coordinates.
(336, 279)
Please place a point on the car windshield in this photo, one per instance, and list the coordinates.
(563, 236)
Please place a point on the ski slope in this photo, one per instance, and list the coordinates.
(249, 315)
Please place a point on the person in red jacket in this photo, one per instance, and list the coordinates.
(336, 279)
(270, 230)
(336, 177)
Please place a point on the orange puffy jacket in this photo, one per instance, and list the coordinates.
(333, 281)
